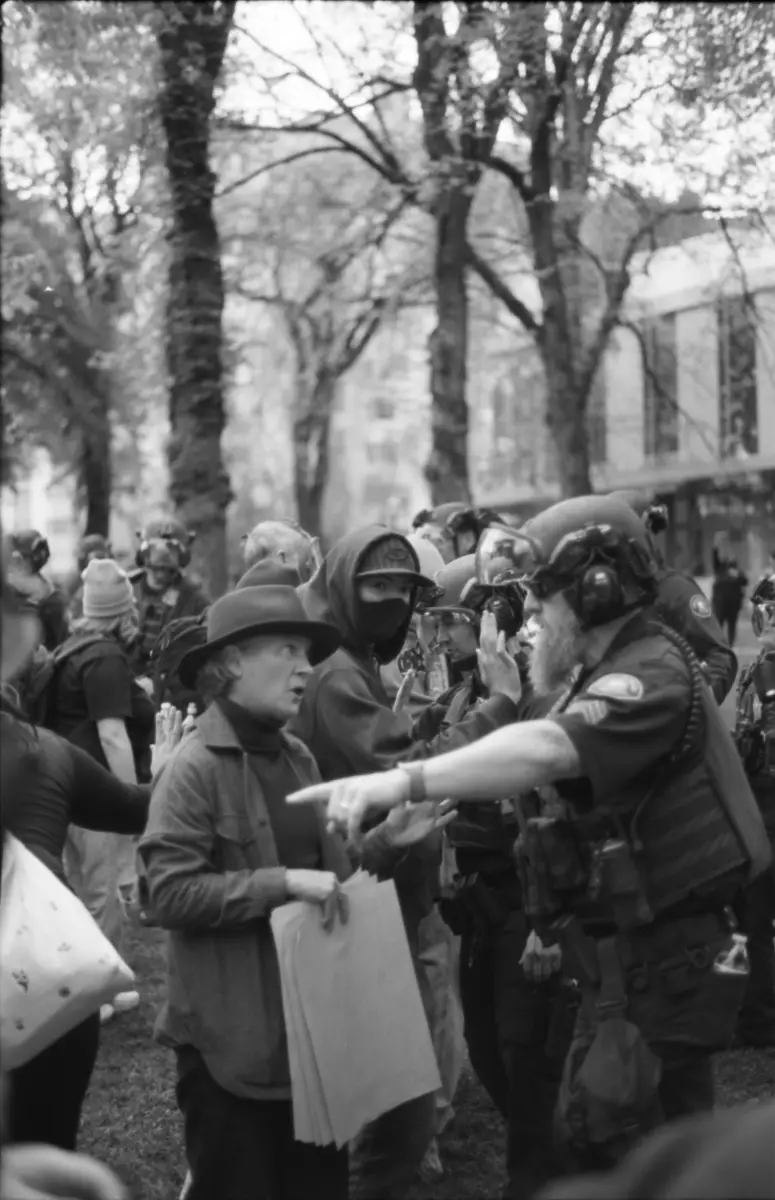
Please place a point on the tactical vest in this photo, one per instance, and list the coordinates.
(698, 823)
(484, 828)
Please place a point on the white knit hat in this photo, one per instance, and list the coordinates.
(107, 591)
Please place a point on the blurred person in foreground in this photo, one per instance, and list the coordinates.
(755, 737)
(725, 1156)
(682, 604)
(29, 1171)
(283, 541)
(29, 554)
(97, 705)
(646, 834)
(368, 588)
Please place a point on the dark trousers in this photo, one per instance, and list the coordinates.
(245, 1149)
(48, 1092)
(386, 1155)
(756, 913)
(517, 1047)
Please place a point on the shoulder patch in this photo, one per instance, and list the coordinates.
(616, 687)
(700, 606)
(592, 711)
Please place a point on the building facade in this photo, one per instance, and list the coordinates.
(684, 406)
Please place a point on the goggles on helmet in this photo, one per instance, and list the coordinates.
(163, 554)
(511, 556)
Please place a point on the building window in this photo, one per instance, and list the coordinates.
(596, 426)
(738, 433)
(660, 390)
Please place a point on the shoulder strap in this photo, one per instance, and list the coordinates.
(68, 650)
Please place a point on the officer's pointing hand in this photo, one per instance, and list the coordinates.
(349, 800)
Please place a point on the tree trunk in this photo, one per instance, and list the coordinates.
(558, 345)
(192, 39)
(96, 469)
(447, 467)
(311, 432)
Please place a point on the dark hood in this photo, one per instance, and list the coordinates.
(330, 595)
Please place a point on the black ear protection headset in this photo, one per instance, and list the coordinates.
(603, 574)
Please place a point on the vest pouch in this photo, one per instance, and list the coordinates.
(733, 789)
(609, 1092)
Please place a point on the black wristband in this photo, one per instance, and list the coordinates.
(417, 789)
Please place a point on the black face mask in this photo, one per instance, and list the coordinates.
(380, 620)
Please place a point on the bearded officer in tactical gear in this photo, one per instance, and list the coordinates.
(755, 737)
(162, 592)
(647, 832)
(513, 1023)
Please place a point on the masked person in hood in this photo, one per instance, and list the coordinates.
(682, 604)
(368, 587)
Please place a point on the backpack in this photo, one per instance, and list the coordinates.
(35, 686)
(174, 641)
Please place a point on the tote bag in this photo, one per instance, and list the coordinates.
(56, 966)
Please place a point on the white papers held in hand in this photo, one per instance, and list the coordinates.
(358, 1039)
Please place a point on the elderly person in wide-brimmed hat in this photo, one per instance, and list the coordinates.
(220, 851)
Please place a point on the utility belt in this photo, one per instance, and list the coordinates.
(480, 904)
(676, 947)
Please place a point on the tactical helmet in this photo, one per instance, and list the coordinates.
(31, 546)
(454, 528)
(595, 549)
(167, 542)
(431, 563)
(763, 605)
(453, 588)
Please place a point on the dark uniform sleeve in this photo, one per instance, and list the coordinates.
(369, 736)
(683, 605)
(107, 687)
(100, 801)
(626, 721)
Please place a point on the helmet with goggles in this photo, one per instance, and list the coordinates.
(763, 606)
(164, 545)
(594, 547)
(454, 528)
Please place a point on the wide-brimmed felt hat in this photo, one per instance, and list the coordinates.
(254, 612)
(393, 555)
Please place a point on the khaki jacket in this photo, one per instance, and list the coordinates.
(213, 877)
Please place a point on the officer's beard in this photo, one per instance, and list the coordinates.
(556, 652)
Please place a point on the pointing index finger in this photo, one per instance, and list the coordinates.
(311, 795)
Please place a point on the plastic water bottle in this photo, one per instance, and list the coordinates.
(735, 960)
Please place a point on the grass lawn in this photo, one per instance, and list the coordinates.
(131, 1119)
